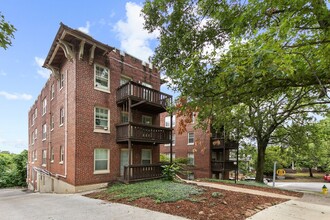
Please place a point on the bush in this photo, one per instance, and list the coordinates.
(169, 171)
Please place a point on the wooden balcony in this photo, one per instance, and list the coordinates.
(223, 165)
(221, 143)
(134, 173)
(143, 133)
(143, 98)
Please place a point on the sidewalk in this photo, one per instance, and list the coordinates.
(240, 189)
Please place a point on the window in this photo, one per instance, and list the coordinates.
(35, 133)
(44, 131)
(61, 81)
(101, 78)
(147, 94)
(124, 80)
(147, 120)
(35, 155)
(52, 157)
(168, 121)
(44, 157)
(146, 156)
(32, 157)
(173, 141)
(34, 116)
(52, 92)
(190, 176)
(61, 116)
(168, 155)
(193, 118)
(61, 154)
(44, 106)
(101, 119)
(124, 117)
(191, 138)
(32, 137)
(191, 159)
(101, 161)
(52, 122)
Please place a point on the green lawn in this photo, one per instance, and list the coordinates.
(159, 190)
(249, 183)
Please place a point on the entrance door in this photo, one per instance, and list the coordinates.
(123, 160)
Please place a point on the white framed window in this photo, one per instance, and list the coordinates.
(61, 154)
(168, 155)
(32, 156)
(101, 120)
(124, 80)
(168, 121)
(101, 161)
(52, 156)
(61, 81)
(193, 118)
(191, 138)
(44, 106)
(101, 78)
(146, 156)
(32, 138)
(44, 131)
(35, 133)
(44, 157)
(61, 116)
(52, 123)
(36, 155)
(34, 116)
(173, 141)
(191, 159)
(52, 92)
(124, 117)
(147, 120)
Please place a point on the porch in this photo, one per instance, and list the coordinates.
(134, 173)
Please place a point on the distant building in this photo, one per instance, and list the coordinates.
(209, 154)
(96, 120)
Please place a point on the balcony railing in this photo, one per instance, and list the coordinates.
(143, 133)
(220, 166)
(219, 143)
(142, 172)
(139, 93)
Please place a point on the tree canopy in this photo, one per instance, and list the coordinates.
(6, 32)
(252, 66)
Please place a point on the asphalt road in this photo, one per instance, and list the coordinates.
(315, 187)
(16, 204)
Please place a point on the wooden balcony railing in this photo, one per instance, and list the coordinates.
(219, 143)
(142, 172)
(143, 133)
(220, 166)
(138, 92)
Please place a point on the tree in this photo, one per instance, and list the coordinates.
(275, 69)
(6, 32)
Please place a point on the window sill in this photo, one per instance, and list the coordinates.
(190, 144)
(43, 165)
(102, 131)
(61, 163)
(102, 90)
(102, 172)
(52, 161)
(61, 125)
(43, 139)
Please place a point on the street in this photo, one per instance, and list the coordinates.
(18, 204)
(302, 186)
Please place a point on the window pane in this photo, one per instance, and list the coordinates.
(101, 154)
(101, 165)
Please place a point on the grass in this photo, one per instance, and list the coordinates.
(158, 190)
(248, 183)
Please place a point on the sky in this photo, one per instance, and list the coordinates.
(117, 23)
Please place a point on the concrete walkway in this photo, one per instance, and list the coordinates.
(240, 189)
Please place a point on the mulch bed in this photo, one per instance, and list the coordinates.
(212, 204)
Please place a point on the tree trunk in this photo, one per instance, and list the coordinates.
(261, 161)
(310, 172)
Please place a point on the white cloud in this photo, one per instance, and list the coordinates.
(133, 38)
(43, 72)
(16, 146)
(15, 96)
(86, 28)
(2, 73)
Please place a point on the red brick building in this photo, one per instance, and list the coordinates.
(98, 105)
(209, 154)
